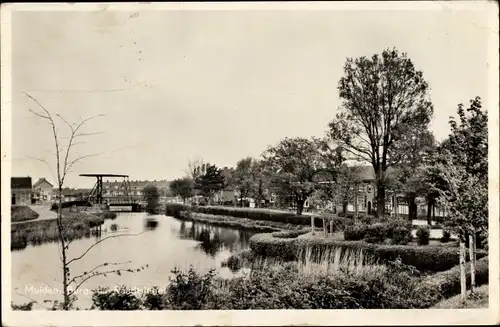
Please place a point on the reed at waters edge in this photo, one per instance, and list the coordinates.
(312, 264)
(76, 225)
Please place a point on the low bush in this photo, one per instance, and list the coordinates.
(121, 298)
(279, 287)
(423, 235)
(446, 236)
(22, 213)
(376, 233)
(237, 260)
(401, 235)
(175, 209)
(355, 232)
(424, 258)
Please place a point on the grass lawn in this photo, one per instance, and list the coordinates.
(22, 213)
(473, 301)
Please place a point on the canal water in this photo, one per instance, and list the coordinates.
(37, 273)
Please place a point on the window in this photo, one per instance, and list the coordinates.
(369, 188)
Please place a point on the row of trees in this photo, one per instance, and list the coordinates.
(383, 121)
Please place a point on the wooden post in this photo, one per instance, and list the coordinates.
(331, 227)
(324, 228)
(312, 224)
(463, 285)
(472, 255)
(356, 209)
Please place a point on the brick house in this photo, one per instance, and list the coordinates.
(43, 191)
(20, 190)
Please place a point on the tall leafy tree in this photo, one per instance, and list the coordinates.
(297, 165)
(151, 196)
(243, 182)
(182, 187)
(465, 172)
(416, 154)
(384, 98)
(210, 180)
(465, 195)
(260, 181)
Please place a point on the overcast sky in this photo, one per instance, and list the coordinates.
(219, 85)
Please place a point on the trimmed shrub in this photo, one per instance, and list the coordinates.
(423, 235)
(401, 235)
(355, 232)
(268, 246)
(446, 284)
(376, 233)
(424, 258)
(446, 236)
(290, 233)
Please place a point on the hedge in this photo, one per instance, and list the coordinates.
(397, 230)
(22, 213)
(290, 234)
(174, 209)
(424, 258)
(446, 284)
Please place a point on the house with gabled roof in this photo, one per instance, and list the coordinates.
(20, 190)
(43, 191)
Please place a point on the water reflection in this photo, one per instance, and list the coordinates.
(172, 243)
(214, 239)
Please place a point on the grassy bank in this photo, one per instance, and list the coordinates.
(266, 215)
(22, 213)
(239, 223)
(76, 225)
(473, 301)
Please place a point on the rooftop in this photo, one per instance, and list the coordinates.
(20, 182)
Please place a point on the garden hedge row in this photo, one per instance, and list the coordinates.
(424, 258)
(174, 210)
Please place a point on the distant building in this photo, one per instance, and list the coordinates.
(117, 188)
(20, 189)
(43, 191)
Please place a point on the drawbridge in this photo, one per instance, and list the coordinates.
(121, 201)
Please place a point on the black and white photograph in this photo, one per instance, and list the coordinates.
(250, 163)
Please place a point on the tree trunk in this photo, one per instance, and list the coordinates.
(356, 207)
(344, 208)
(312, 224)
(60, 229)
(412, 207)
(472, 254)
(396, 207)
(325, 232)
(331, 227)
(300, 206)
(434, 210)
(429, 212)
(380, 198)
(463, 284)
